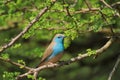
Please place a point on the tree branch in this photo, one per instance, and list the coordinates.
(88, 4)
(106, 4)
(99, 51)
(55, 28)
(43, 11)
(66, 9)
(114, 4)
(78, 58)
(73, 5)
(14, 63)
(114, 68)
(34, 71)
(86, 10)
(109, 6)
(104, 18)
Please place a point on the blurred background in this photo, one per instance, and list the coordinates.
(84, 28)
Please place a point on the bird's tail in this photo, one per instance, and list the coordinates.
(41, 64)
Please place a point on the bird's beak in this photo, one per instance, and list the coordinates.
(64, 36)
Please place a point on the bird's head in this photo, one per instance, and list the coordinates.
(59, 38)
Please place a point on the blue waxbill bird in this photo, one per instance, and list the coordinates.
(54, 51)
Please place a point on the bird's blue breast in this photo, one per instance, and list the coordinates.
(57, 49)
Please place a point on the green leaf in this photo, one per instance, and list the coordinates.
(10, 75)
(40, 78)
(30, 77)
(67, 42)
(91, 52)
(5, 56)
(16, 46)
(21, 62)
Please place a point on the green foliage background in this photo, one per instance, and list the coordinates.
(85, 30)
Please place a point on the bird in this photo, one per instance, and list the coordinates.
(54, 51)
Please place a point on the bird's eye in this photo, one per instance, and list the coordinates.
(59, 37)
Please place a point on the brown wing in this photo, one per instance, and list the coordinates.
(52, 60)
(56, 58)
(48, 52)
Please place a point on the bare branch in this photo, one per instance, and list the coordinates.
(14, 63)
(43, 11)
(67, 9)
(78, 58)
(114, 68)
(106, 4)
(114, 4)
(54, 28)
(86, 10)
(109, 6)
(53, 65)
(104, 18)
(99, 51)
(88, 4)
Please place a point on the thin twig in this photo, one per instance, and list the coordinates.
(66, 9)
(69, 14)
(109, 6)
(114, 4)
(14, 63)
(114, 68)
(88, 4)
(73, 5)
(55, 28)
(104, 18)
(103, 1)
(99, 51)
(86, 10)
